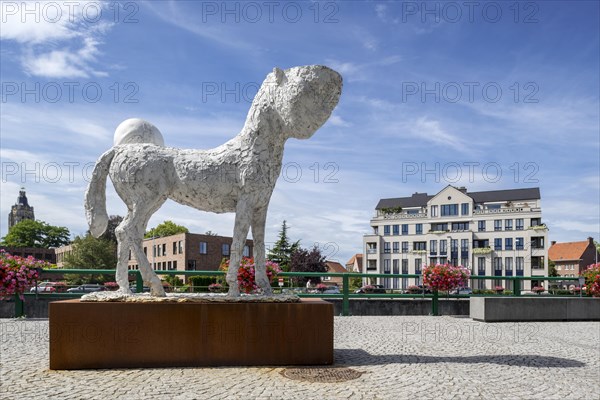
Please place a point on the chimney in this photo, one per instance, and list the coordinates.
(552, 243)
(591, 240)
(463, 189)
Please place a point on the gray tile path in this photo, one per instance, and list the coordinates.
(400, 357)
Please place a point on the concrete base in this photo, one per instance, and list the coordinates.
(144, 335)
(539, 308)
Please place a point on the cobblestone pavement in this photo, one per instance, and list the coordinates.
(399, 357)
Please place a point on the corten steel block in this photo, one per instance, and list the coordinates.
(143, 335)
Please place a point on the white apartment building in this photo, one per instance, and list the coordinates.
(494, 233)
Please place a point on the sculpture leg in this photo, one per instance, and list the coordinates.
(240, 233)
(258, 234)
(122, 272)
(135, 228)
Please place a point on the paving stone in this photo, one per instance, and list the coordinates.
(399, 357)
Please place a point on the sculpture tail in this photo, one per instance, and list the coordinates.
(95, 196)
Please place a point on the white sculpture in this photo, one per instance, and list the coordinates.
(238, 176)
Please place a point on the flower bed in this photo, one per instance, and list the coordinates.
(592, 280)
(18, 273)
(246, 273)
(445, 277)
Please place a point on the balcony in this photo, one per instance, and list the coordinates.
(482, 250)
(371, 251)
(505, 210)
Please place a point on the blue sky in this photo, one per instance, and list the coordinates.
(501, 95)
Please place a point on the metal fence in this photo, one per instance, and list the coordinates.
(345, 291)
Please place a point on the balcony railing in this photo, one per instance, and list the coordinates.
(371, 251)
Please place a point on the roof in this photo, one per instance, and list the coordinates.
(567, 251)
(357, 258)
(421, 199)
(334, 266)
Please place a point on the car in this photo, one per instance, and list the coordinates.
(371, 289)
(86, 288)
(332, 290)
(462, 290)
(43, 287)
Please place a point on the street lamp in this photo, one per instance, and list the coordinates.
(581, 280)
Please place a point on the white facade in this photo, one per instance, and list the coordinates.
(496, 233)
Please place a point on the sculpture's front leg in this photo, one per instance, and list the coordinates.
(240, 233)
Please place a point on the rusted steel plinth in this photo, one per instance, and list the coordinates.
(145, 335)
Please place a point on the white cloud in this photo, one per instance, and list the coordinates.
(65, 26)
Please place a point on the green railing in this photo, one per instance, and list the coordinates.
(344, 294)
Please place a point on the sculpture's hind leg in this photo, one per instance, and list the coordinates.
(240, 233)
(123, 247)
(258, 235)
(139, 221)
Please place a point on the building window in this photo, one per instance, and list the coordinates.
(396, 268)
(481, 226)
(386, 266)
(434, 211)
(405, 229)
(174, 264)
(372, 265)
(225, 249)
(464, 248)
(418, 265)
(396, 229)
(465, 262)
(164, 249)
(404, 271)
(480, 265)
(203, 248)
(439, 227)
(386, 230)
(460, 226)
(519, 224)
(536, 221)
(375, 230)
(396, 247)
(508, 244)
(174, 247)
(508, 266)
(449, 209)
(246, 251)
(433, 247)
(443, 247)
(386, 247)
(405, 247)
(498, 244)
(191, 265)
(508, 224)
(519, 243)
(537, 242)
(497, 266)
(420, 246)
(497, 224)
(519, 263)
(464, 209)
(419, 229)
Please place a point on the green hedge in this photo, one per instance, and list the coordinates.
(201, 283)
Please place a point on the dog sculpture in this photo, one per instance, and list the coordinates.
(238, 176)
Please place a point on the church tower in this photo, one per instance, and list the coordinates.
(20, 211)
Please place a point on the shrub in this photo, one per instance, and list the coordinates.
(592, 280)
(201, 283)
(538, 289)
(246, 271)
(445, 277)
(18, 273)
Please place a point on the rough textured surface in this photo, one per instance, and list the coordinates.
(400, 357)
(187, 298)
(238, 176)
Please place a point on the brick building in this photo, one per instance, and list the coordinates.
(188, 252)
(36, 252)
(571, 258)
(333, 266)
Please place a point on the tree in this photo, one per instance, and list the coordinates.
(91, 253)
(30, 233)
(552, 268)
(167, 228)
(282, 251)
(304, 260)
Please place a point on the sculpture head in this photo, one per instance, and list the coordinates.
(304, 97)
